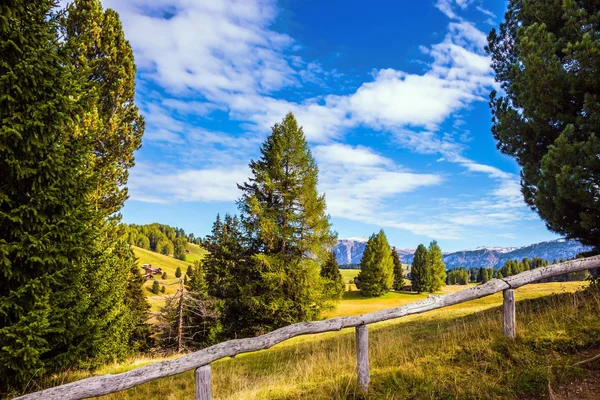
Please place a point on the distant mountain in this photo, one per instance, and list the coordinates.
(349, 251)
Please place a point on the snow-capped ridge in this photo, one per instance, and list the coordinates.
(350, 250)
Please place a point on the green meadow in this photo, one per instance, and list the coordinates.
(455, 352)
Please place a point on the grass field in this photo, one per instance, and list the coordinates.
(455, 352)
(196, 253)
(168, 265)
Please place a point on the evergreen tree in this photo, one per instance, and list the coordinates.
(94, 44)
(155, 287)
(398, 271)
(164, 275)
(438, 268)
(44, 213)
(178, 272)
(376, 275)
(163, 289)
(189, 271)
(334, 284)
(179, 248)
(546, 57)
(420, 273)
(286, 228)
(231, 277)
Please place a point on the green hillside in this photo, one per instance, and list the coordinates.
(196, 253)
(168, 265)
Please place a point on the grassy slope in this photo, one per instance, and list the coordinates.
(168, 265)
(197, 253)
(456, 352)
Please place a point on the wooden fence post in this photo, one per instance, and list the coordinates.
(362, 357)
(508, 314)
(203, 383)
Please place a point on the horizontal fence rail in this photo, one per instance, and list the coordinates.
(200, 360)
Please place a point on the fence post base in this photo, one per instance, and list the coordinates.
(508, 314)
(203, 383)
(362, 357)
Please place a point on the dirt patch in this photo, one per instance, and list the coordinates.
(587, 388)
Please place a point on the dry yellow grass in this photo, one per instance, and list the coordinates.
(455, 352)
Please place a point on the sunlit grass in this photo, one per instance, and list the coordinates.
(455, 352)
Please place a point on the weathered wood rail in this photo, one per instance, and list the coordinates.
(200, 360)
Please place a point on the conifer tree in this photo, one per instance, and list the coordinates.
(178, 272)
(44, 214)
(231, 277)
(420, 272)
(438, 268)
(334, 283)
(189, 271)
(164, 275)
(95, 46)
(546, 57)
(286, 228)
(155, 287)
(398, 271)
(376, 275)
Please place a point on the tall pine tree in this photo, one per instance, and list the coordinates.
(286, 227)
(438, 268)
(334, 283)
(376, 275)
(94, 44)
(420, 272)
(398, 271)
(546, 57)
(44, 212)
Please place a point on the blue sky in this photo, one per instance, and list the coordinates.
(392, 96)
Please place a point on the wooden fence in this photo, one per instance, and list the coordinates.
(200, 360)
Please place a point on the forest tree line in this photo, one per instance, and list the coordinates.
(160, 238)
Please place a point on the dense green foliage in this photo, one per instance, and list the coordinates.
(161, 238)
(376, 276)
(438, 268)
(398, 271)
(546, 57)
(71, 294)
(286, 229)
(428, 271)
(420, 271)
(458, 276)
(330, 272)
(178, 272)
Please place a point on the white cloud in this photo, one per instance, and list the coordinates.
(149, 183)
(359, 184)
(486, 12)
(225, 56)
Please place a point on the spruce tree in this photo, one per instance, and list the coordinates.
(420, 272)
(334, 283)
(398, 271)
(286, 228)
(438, 268)
(155, 287)
(546, 57)
(178, 272)
(376, 275)
(45, 217)
(189, 271)
(231, 277)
